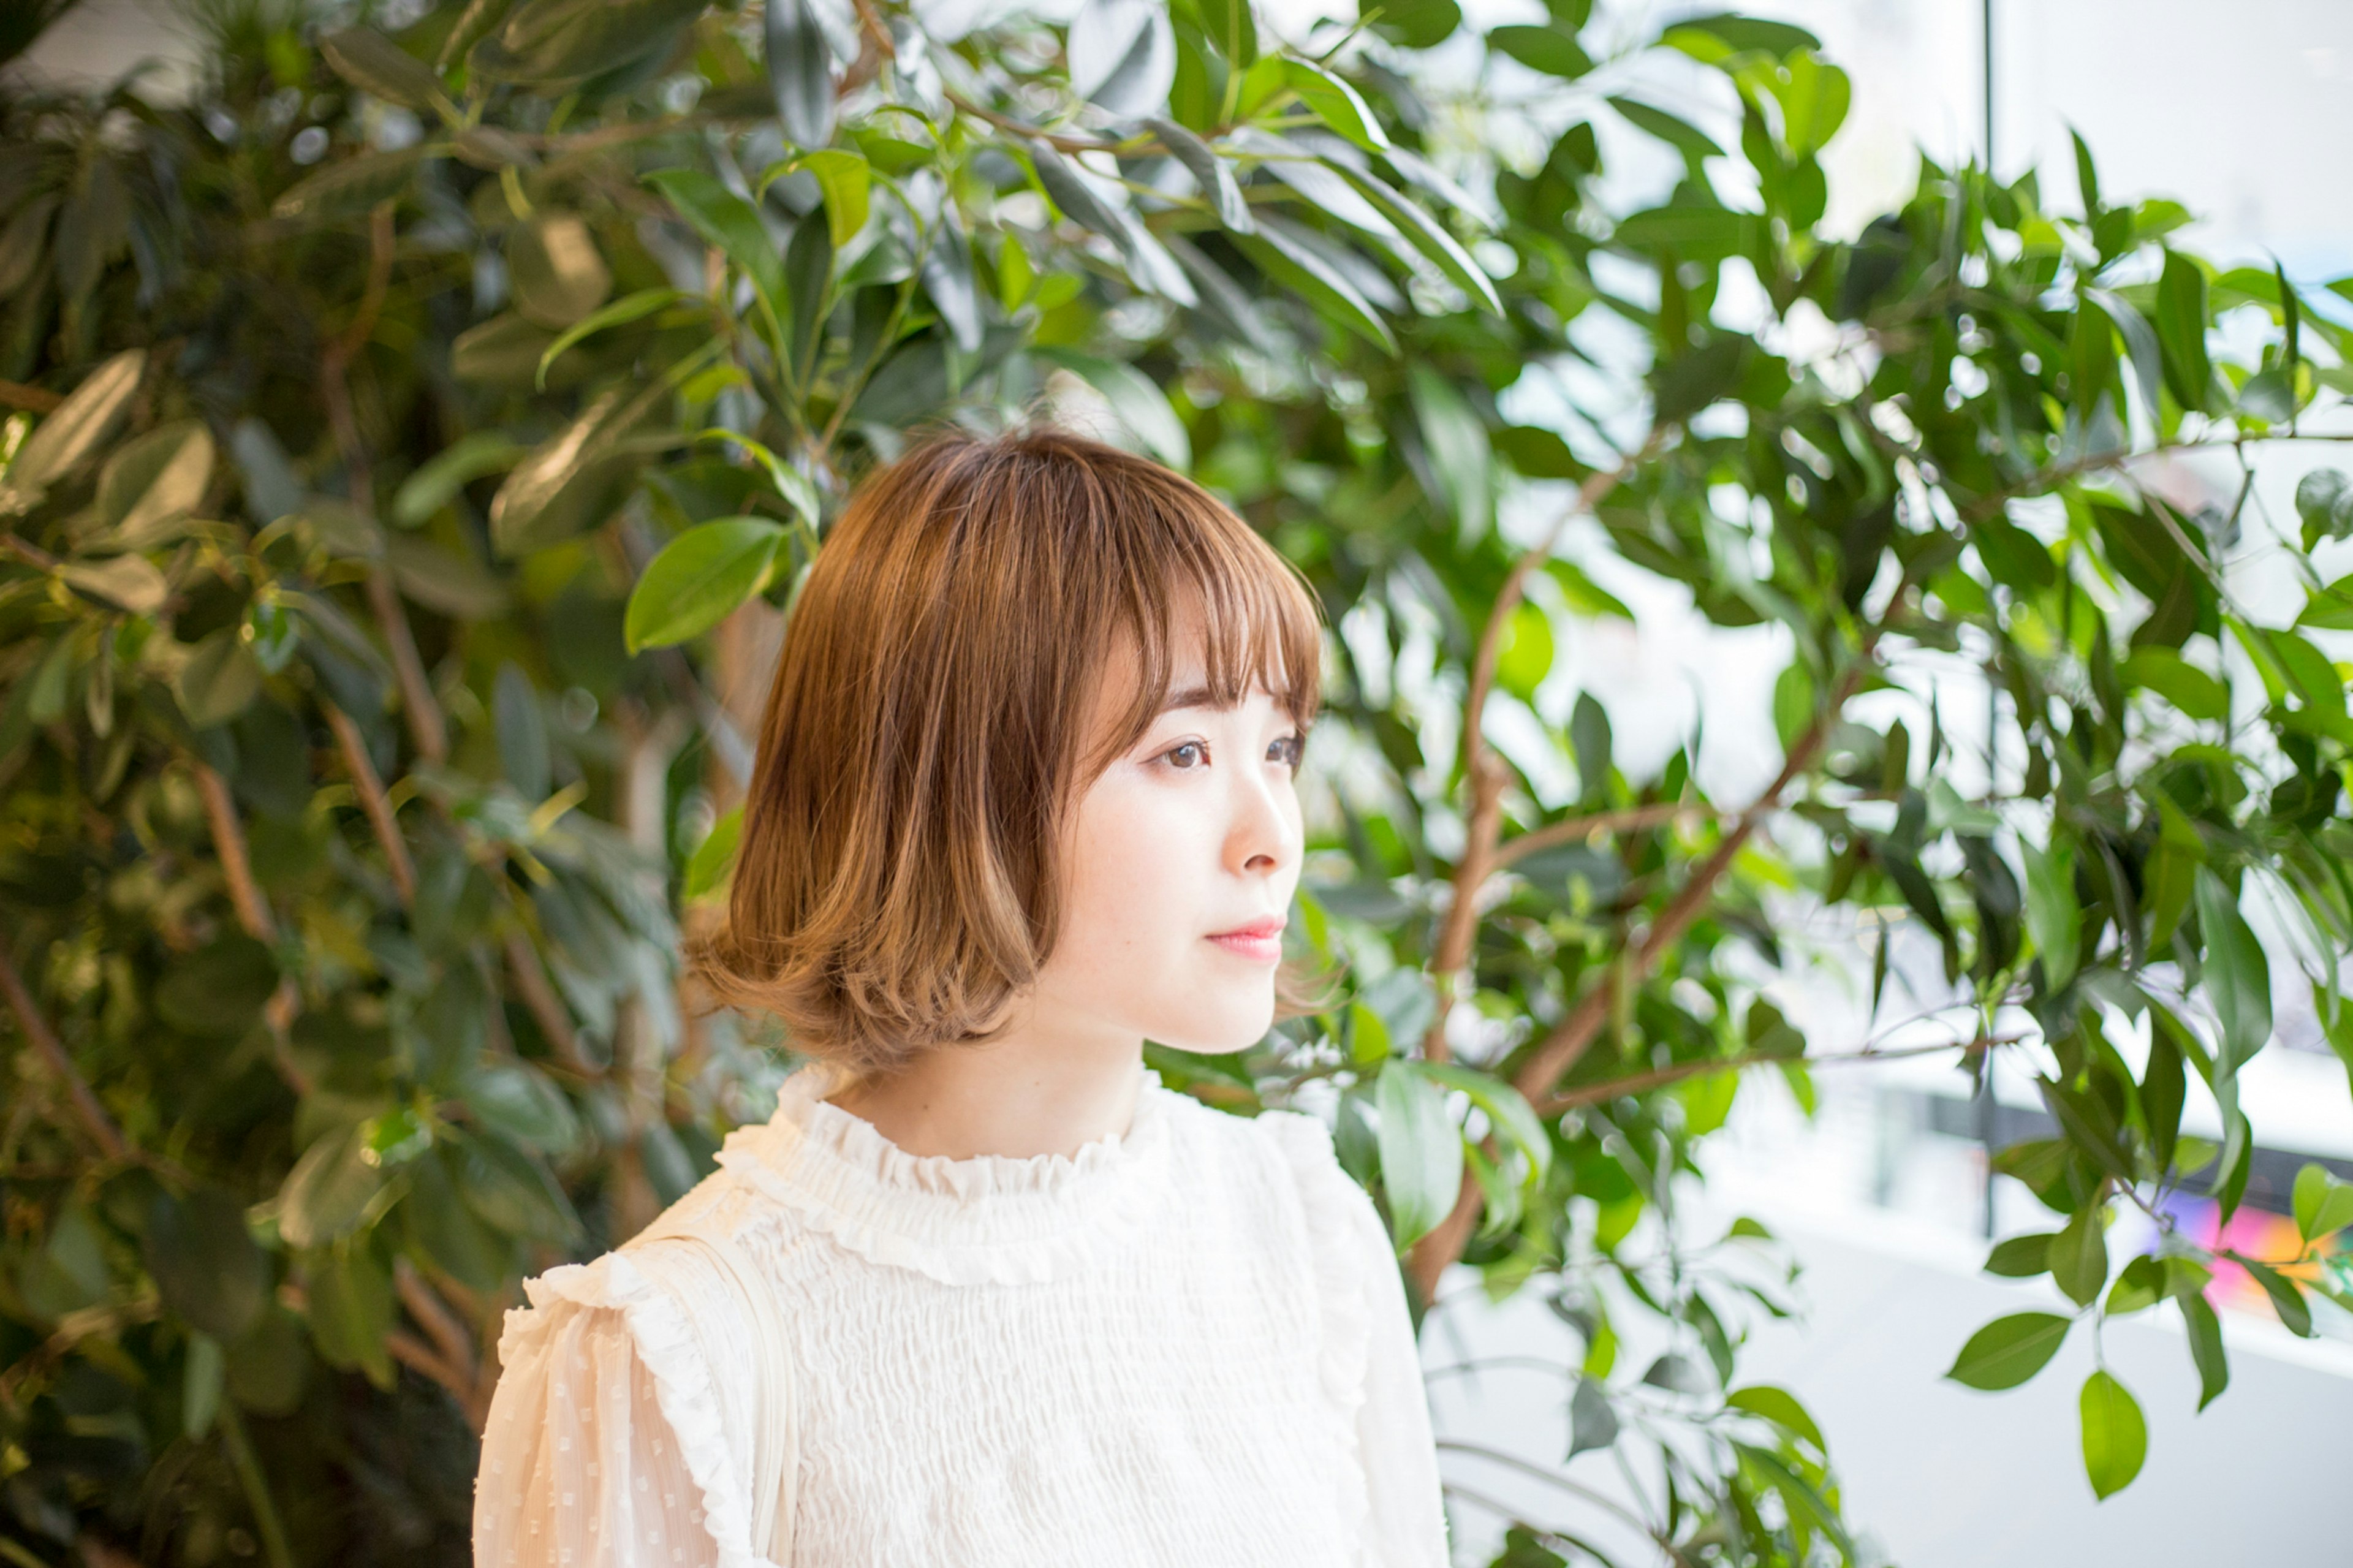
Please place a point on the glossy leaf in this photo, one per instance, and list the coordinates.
(698, 578)
(2115, 1439)
(2009, 1350)
(1421, 1151)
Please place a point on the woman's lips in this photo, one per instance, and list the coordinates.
(1261, 942)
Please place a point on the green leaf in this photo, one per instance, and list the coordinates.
(1335, 103)
(132, 582)
(519, 1100)
(1814, 102)
(2079, 1254)
(1232, 30)
(1710, 39)
(522, 733)
(1214, 174)
(437, 481)
(2189, 689)
(575, 480)
(2287, 1297)
(1681, 134)
(2140, 1285)
(219, 681)
(151, 484)
(846, 182)
(2053, 918)
(1456, 441)
(2009, 1350)
(1527, 651)
(2181, 312)
(2324, 1205)
(557, 44)
(730, 224)
(1421, 1151)
(1418, 23)
(1550, 49)
(1280, 254)
(1515, 1122)
(1689, 233)
(555, 270)
(374, 63)
(201, 1385)
(218, 991)
(348, 187)
(800, 73)
(2235, 974)
(206, 1263)
(350, 1303)
(329, 1188)
(699, 578)
(1430, 236)
(1592, 1422)
(2323, 500)
(946, 273)
(2116, 1439)
(2205, 1333)
(2022, 1257)
(714, 860)
(1781, 1407)
(72, 431)
(454, 585)
(1140, 405)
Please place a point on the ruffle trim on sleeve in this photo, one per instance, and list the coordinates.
(1332, 1202)
(683, 1387)
(989, 1219)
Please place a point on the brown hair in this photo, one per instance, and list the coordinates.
(898, 880)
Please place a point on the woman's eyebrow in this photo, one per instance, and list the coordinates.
(1191, 697)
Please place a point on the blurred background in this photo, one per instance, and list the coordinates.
(1882, 1188)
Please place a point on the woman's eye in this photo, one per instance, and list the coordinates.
(1288, 751)
(1172, 752)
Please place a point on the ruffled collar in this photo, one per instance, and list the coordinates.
(990, 1219)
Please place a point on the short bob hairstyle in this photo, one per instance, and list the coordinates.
(898, 879)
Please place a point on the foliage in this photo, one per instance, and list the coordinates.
(422, 432)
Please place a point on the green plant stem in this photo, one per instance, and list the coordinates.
(255, 1485)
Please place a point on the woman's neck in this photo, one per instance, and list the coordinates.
(1032, 1091)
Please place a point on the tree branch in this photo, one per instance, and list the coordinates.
(547, 1009)
(369, 786)
(31, 399)
(1574, 1034)
(426, 728)
(1486, 774)
(45, 1045)
(1630, 819)
(228, 843)
(1638, 1083)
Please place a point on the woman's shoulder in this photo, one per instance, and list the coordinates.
(1292, 1147)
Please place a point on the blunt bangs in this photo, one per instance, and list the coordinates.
(900, 874)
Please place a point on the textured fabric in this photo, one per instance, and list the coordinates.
(1186, 1345)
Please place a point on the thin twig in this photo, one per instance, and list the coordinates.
(369, 786)
(31, 399)
(1601, 1500)
(1638, 1083)
(1630, 819)
(44, 1042)
(547, 1009)
(228, 843)
(256, 1485)
(426, 727)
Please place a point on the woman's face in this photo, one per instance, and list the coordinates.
(1190, 836)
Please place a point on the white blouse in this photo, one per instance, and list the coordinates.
(1186, 1346)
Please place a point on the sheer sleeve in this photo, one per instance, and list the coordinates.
(580, 1467)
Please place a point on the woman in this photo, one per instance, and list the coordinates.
(982, 1292)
